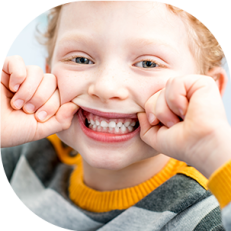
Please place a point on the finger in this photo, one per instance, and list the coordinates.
(45, 90)
(5, 79)
(158, 136)
(150, 106)
(176, 96)
(14, 72)
(6, 110)
(49, 108)
(5, 93)
(28, 88)
(148, 132)
(144, 123)
(61, 121)
(163, 113)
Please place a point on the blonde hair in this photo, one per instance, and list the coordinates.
(48, 38)
(203, 44)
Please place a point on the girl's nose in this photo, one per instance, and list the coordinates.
(108, 87)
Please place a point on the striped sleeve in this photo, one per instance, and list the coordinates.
(212, 221)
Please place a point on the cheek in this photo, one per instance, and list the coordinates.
(70, 84)
(147, 87)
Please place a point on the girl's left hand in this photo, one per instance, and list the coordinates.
(186, 120)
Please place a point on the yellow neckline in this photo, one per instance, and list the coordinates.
(96, 201)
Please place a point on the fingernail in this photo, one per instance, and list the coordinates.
(16, 87)
(18, 103)
(42, 115)
(181, 113)
(151, 118)
(74, 111)
(170, 124)
(29, 107)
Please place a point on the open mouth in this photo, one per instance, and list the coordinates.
(108, 127)
(114, 126)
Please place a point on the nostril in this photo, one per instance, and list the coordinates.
(115, 98)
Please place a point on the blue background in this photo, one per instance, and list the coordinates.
(33, 53)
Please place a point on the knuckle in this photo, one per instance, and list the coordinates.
(148, 105)
(210, 80)
(51, 76)
(28, 92)
(171, 98)
(160, 112)
(66, 125)
(16, 58)
(207, 81)
(169, 81)
(50, 110)
(176, 80)
(38, 99)
(35, 69)
(21, 75)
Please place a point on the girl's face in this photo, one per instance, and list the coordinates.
(109, 59)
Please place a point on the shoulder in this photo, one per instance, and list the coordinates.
(32, 152)
(195, 208)
(191, 205)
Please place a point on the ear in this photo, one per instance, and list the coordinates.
(48, 69)
(220, 77)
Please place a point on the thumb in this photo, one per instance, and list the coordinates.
(59, 122)
(144, 123)
(150, 106)
(148, 133)
(65, 114)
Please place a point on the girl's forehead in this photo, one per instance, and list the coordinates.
(121, 19)
(134, 13)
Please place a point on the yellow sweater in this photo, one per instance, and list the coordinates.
(220, 184)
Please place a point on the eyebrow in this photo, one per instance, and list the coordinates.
(151, 42)
(80, 37)
(68, 37)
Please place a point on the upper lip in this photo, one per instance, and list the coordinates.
(110, 115)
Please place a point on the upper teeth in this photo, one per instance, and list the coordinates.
(113, 124)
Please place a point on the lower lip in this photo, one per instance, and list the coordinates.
(104, 137)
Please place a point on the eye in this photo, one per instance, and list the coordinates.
(147, 64)
(82, 60)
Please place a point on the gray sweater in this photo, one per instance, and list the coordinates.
(41, 181)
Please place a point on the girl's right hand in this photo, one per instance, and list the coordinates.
(30, 104)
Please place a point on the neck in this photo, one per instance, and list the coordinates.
(109, 180)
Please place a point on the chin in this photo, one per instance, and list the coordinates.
(108, 159)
